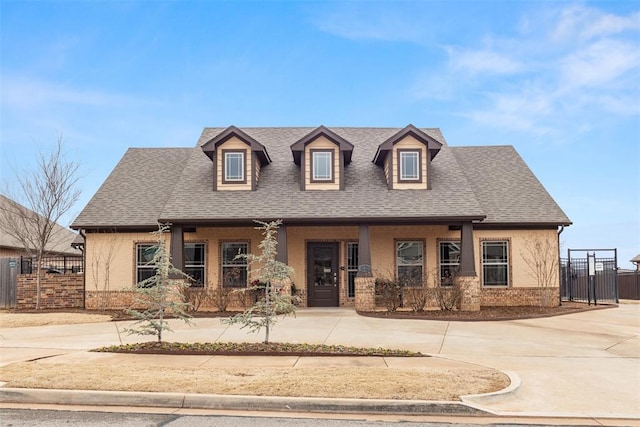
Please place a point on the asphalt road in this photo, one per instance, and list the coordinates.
(57, 418)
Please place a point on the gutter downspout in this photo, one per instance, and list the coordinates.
(84, 269)
(559, 266)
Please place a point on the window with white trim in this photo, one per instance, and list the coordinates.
(144, 261)
(409, 262)
(409, 165)
(322, 165)
(194, 263)
(495, 263)
(235, 270)
(449, 262)
(234, 166)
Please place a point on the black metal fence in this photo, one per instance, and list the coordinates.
(69, 264)
(597, 283)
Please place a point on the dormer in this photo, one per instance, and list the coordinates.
(237, 160)
(322, 155)
(406, 158)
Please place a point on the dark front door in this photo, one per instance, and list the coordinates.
(322, 274)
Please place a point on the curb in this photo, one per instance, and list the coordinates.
(229, 402)
(475, 400)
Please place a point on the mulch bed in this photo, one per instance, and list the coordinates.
(488, 313)
(253, 349)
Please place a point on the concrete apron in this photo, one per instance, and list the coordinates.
(580, 365)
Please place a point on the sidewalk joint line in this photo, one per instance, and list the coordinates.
(332, 329)
(443, 338)
(620, 342)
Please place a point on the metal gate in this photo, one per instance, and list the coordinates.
(589, 275)
(9, 268)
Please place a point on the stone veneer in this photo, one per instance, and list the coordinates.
(365, 293)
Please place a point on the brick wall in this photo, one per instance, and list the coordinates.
(545, 297)
(56, 291)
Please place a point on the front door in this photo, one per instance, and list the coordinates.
(322, 274)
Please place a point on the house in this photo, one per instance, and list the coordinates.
(356, 204)
(59, 244)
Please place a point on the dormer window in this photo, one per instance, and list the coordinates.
(322, 156)
(322, 165)
(234, 166)
(237, 160)
(406, 159)
(409, 166)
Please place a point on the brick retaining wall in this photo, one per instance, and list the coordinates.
(56, 291)
(544, 297)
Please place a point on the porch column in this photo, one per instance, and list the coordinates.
(467, 279)
(176, 247)
(281, 238)
(467, 262)
(364, 252)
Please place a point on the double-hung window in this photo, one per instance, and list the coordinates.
(235, 271)
(449, 262)
(144, 261)
(321, 165)
(495, 263)
(234, 166)
(409, 262)
(409, 168)
(194, 263)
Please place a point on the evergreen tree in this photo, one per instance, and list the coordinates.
(271, 274)
(161, 294)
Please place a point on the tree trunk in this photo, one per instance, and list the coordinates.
(267, 314)
(38, 278)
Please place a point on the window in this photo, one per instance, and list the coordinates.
(449, 262)
(144, 261)
(194, 263)
(495, 263)
(409, 165)
(234, 270)
(409, 263)
(321, 165)
(352, 269)
(234, 166)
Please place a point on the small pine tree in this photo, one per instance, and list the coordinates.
(270, 272)
(161, 293)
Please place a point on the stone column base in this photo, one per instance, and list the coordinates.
(470, 288)
(365, 293)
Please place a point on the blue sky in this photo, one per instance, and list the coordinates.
(560, 81)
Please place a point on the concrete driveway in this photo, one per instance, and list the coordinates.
(579, 365)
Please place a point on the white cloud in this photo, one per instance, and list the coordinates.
(599, 63)
(483, 61)
(371, 22)
(583, 23)
(546, 79)
(28, 94)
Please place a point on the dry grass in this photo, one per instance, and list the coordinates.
(9, 319)
(341, 382)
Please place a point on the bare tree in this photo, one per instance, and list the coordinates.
(101, 263)
(541, 256)
(48, 192)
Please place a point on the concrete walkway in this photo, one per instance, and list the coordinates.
(584, 365)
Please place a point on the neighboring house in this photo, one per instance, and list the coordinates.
(636, 260)
(356, 204)
(60, 242)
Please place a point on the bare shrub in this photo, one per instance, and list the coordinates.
(448, 291)
(416, 298)
(389, 291)
(196, 298)
(221, 297)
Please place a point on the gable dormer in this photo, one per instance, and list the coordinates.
(237, 160)
(322, 155)
(406, 158)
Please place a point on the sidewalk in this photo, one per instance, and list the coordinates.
(584, 365)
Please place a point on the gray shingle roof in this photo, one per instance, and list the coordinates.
(136, 190)
(506, 188)
(59, 242)
(132, 195)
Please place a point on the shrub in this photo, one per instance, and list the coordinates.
(416, 298)
(196, 298)
(390, 292)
